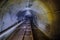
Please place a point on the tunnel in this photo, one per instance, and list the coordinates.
(44, 16)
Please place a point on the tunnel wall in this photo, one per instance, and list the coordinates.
(51, 10)
(52, 5)
(54, 31)
(8, 11)
(7, 17)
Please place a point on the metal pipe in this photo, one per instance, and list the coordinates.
(4, 35)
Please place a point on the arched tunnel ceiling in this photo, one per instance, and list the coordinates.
(46, 11)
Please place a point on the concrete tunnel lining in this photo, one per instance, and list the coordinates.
(45, 8)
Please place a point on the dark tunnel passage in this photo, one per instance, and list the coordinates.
(44, 16)
(26, 14)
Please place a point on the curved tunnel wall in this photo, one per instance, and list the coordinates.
(47, 13)
(45, 16)
(50, 16)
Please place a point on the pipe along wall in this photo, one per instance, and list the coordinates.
(47, 13)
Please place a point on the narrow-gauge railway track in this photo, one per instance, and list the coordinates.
(23, 32)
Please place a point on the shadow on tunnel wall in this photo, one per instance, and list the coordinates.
(55, 27)
(56, 24)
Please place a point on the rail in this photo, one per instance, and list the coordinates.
(10, 30)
